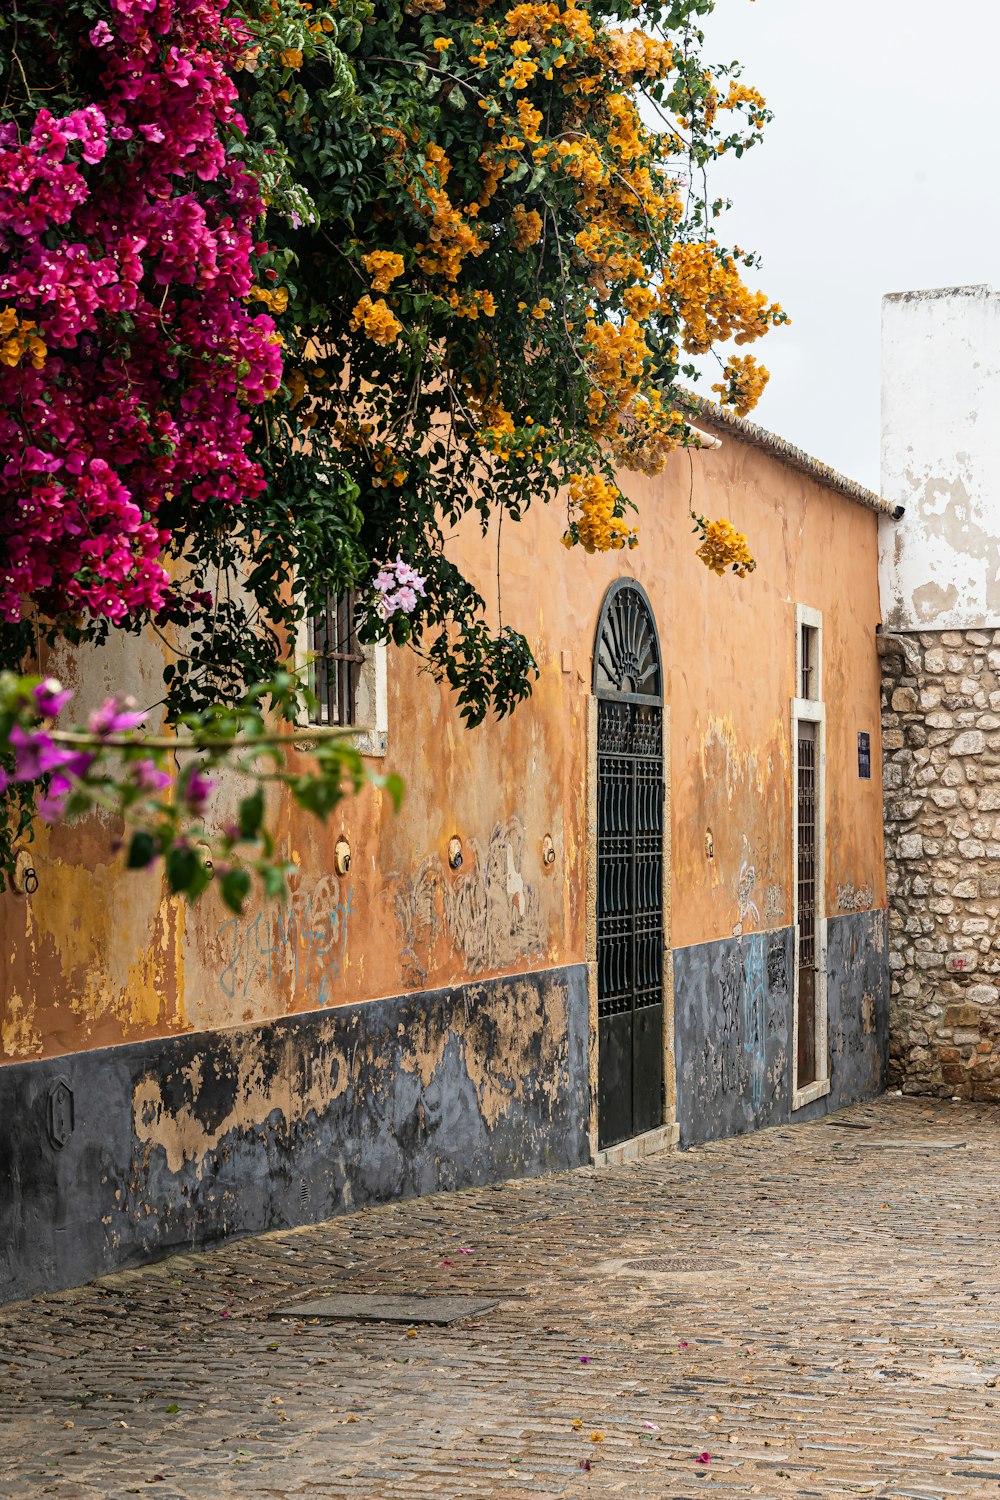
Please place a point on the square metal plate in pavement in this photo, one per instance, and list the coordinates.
(376, 1308)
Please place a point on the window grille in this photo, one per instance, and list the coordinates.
(338, 660)
(809, 687)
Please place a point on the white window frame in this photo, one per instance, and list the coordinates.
(812, 711)
(371, 734)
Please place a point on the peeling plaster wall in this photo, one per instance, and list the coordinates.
(99, 956)
(178, 1142)
(734, 1027)
(940, 569)
(218, 1054)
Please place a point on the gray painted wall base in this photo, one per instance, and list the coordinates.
(733, 1027)
(114, 1157)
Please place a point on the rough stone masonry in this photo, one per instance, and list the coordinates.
(941, 772)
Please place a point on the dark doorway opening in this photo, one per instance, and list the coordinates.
(628, 683)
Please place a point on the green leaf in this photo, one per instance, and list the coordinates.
(182, 868)
(235, 889)
(141, 851)
(273, 877)
(251, 814)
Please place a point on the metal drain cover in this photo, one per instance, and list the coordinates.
(681, 1265)
(907, 1145)
(376, 1308)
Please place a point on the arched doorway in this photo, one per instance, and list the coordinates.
(628, 684)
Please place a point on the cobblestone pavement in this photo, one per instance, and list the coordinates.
(815, 1308)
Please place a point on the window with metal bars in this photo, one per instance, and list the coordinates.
(810, 662)
(337, 660)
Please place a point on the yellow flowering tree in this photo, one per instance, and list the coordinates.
(493, 258)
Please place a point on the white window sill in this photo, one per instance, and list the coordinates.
(367, 741)
(812, 1091)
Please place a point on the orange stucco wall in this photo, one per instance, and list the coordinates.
(99, 956)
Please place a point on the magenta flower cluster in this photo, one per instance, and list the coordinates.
(397, 588)
(41, 754)
(127, 241)
(37, 755)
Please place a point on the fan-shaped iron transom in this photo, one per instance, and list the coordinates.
(627, 660)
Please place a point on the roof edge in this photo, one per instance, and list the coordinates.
(794, 458)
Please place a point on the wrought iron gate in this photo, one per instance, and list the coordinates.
(806, 883)
(630, 796)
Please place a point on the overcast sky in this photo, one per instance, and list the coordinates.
(879, 174)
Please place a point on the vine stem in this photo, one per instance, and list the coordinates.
(193, 746)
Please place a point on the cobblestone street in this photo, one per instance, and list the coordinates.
(814, 1309)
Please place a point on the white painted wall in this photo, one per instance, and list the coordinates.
(939, 567)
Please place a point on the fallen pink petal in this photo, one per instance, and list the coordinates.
(585, 1359)
(703, 1458)
(650, 1426)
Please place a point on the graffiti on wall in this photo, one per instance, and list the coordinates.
(302, 943)
(487, 913)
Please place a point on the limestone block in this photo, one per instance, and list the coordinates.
(972, 742)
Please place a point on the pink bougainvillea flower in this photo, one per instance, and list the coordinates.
(116, 716)
(585, 1464)
(35, 754)
(650, 1426)
(147, 776)
(465, 1250)
(703, 1458)
(446, 1262)
(52, 804)
(683, 1344)
(51, 697)
(585, 1359)
(98, 432)
(197, 790)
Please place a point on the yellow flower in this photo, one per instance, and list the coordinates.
(527, 227)
(383, 266)
(275, 301)
(724, 547)
(442, 43)
(376, 321)
(596, 514)
(19, 339)
(744, 383)
(291, 57)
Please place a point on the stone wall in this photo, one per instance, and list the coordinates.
(941, 740)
